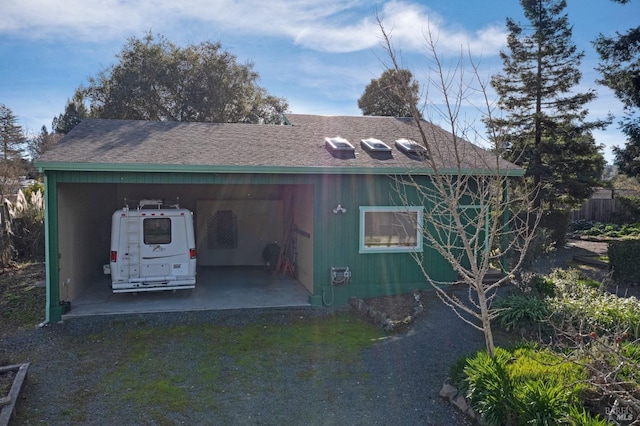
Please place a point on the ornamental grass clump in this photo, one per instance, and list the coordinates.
(527, 385)
(519, 311)
(490, 388)
(27, 223)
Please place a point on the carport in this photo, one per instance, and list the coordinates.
(227, 278)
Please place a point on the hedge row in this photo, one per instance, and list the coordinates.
(623, 256)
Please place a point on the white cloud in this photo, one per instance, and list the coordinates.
(91, 20)
(411, 25)
(321, 25)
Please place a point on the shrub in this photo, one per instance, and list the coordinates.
(542, 286)
(556, 221)
(457, 374)
(6, 236)
(490, 388)
(521, 310)
(531, 363)
(622, 258)
(27, 216)
(631, 209)
(546, 402)
(614, 368)
(539, 245)
(579, 305)
(629, 372)
(580, 225)
(524, 386)
(578, 416)
(587, 228)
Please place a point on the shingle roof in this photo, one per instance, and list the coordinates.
(117, 143)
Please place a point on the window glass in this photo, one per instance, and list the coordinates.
(157, 230)
(392, 229)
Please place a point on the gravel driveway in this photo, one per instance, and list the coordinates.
(400, 376)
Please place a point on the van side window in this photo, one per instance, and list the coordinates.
(157, 230)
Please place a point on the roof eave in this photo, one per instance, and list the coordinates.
(190, 168)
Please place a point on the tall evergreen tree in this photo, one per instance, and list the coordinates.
(74, 112)
(38, 144)
(387, 95)
(12, 136)
(544, 117)
(12, 164)
(620, 68)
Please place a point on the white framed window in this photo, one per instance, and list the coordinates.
(390, 229)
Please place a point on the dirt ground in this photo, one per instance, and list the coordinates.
(6, 380)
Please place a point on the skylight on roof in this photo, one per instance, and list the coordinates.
(374, 145)
(411, 148)
(339, 144)
(339, 147)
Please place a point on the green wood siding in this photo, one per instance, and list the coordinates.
(337, 243)
(176, 178)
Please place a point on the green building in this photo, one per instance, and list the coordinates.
(330, 207)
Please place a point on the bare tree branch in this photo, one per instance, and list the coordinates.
(474, 216)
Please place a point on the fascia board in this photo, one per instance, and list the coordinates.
(178, 168)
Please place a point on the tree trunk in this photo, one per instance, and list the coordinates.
(486, 322)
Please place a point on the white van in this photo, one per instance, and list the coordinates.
(152, 248)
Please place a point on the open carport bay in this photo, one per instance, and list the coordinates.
(217, 288)
(228, 277)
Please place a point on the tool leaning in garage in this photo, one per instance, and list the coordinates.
(285, 263)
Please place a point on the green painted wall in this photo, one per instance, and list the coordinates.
(337, 243)
(334, 237)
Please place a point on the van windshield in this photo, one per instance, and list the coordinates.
(157, 230)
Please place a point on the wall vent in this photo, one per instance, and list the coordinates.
(340, 275)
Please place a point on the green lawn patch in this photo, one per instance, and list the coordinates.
(195, 367)
(22, 302)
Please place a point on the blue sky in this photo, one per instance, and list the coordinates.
(318, 54)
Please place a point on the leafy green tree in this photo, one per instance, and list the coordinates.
(544, 115)
(385, 96)
(620, 69)
(74, 112)
(157, 80)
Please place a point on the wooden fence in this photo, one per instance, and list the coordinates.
(600, 210)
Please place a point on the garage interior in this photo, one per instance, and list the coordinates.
(231, 271)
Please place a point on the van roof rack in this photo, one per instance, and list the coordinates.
(145, 203)
(152, 203)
